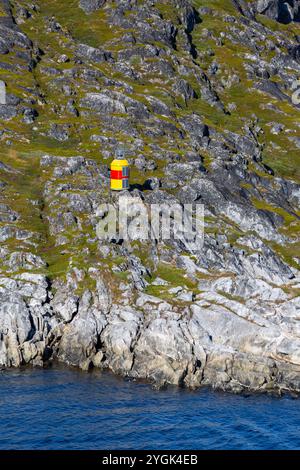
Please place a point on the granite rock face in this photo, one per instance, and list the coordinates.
(283, 11)
(280, 10)
(197, 129)
(89, 6)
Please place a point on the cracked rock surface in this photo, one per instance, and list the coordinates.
(201, 97)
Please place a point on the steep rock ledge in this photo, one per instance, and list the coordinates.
(201, 97)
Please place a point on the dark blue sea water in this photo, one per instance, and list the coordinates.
(67, 409)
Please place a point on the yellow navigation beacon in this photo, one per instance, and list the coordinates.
(119, 173)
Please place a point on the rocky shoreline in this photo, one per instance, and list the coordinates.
(201, 97)
(210, 340)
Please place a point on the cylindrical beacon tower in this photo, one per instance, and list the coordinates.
(119, 175)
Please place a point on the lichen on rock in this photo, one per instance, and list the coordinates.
(201, 97)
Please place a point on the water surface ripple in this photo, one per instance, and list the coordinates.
(68, 409)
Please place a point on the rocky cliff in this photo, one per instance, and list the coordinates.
(201, 95)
